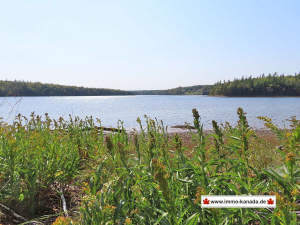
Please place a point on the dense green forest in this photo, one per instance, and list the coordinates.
(264, 85)
(270, 85)
(191, 90)
(21, 88)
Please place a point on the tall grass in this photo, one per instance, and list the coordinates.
(149, 177)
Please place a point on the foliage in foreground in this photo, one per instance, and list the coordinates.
(147, 177)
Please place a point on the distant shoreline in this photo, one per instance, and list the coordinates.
(263, 86)
(219, 96)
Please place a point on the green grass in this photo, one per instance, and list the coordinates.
(150, 177)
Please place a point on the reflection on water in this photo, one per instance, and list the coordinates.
(173, 110)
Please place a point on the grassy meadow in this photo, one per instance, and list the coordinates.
(72, 172)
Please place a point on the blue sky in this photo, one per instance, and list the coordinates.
(147, 44)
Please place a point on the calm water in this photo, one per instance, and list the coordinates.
(173, 110)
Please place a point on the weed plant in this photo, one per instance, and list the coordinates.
(147, 177)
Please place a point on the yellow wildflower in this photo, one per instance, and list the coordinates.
(295, 192)
(290, 156)
(128, 221)
(61, 220)
(109, 208)
(200, 191)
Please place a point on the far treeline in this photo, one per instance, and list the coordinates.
(191, 90)
(22, 88)
(270, 85)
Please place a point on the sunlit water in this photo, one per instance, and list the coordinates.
(173, 110)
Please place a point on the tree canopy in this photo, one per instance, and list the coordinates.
(270, 85)
(22, 88)
(191, 90)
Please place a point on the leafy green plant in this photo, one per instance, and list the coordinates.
(148, 177)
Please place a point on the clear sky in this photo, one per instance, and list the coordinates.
(147, 44)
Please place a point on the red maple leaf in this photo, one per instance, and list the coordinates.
(270, 202)
(206, 201)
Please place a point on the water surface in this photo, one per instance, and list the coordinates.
(173, 110)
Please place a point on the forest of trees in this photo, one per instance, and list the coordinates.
(270, 85)
(191, 90)
(22, 88)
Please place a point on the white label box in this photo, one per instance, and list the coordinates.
(238, 201)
